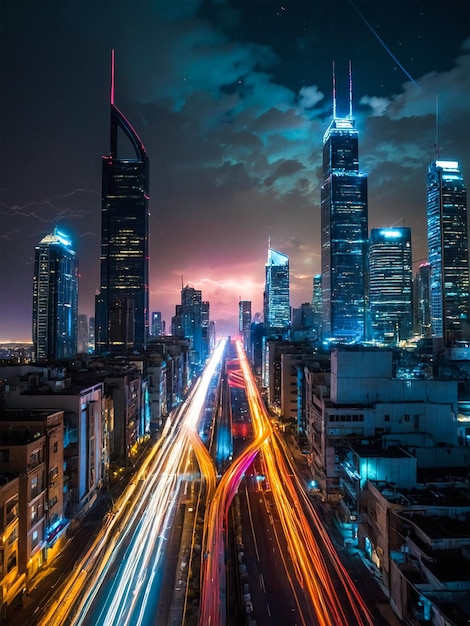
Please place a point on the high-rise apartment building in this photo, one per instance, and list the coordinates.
(55, 298)
(244, 323)
(344, 230)
(390, 284)
(448, 251)
(122, 304)
(276, 294)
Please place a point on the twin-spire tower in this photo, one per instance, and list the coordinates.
(344, 229)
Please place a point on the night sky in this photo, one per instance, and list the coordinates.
(231, 100)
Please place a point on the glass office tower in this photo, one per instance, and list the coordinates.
(276, 294)
(192, 321)
(157, 325)
(55, 298)
(344, 230)
(244, 324)
(448, 250)
(122, 318)
(390, 284)
(421, 302)
(317, 304)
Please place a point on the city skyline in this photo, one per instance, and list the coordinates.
(232, 113)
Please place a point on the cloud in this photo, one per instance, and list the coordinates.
(282, 169)
(309, 97)
(377, 105)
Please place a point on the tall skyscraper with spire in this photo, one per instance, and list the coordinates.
(122, 317)
(344, 229)
(55, 298)
(448, 251)
(276, 294)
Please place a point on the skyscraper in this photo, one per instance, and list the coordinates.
(55, 298)
(244, 324)
(448, 251)
(390, 284)
(91, 334)
(192, 322)
(344, 230)
(83, 334)
(276, 294)
(421, 300)
(317, 304)
(157, 327)
(122, 304)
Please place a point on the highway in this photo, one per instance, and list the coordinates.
(267, 572)
(326, 584)
(297, 578)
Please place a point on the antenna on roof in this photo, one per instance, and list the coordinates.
(350, 91)
(437, 129)
(334, 92)
(112, 76)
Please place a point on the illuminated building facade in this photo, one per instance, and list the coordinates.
(276, 294)
(122, 304)
(157, 326)
(55, 298)
(244, 324)
(390, 284)
(317, 304)
(421, 300)
(83, 334)
(192, 321)
(344, 230)
(448, 251)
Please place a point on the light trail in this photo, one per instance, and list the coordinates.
(141, 517)
(146, 508)
(384, 46)
(308, 558)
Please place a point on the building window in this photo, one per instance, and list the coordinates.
(34, 459)
(34, 512)
(12, 509)
(34, 539)
(55, 447)
(52, 502)
(53, 474)
(386, 417)
(34, 487)
(13, 536)
(11, 561)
